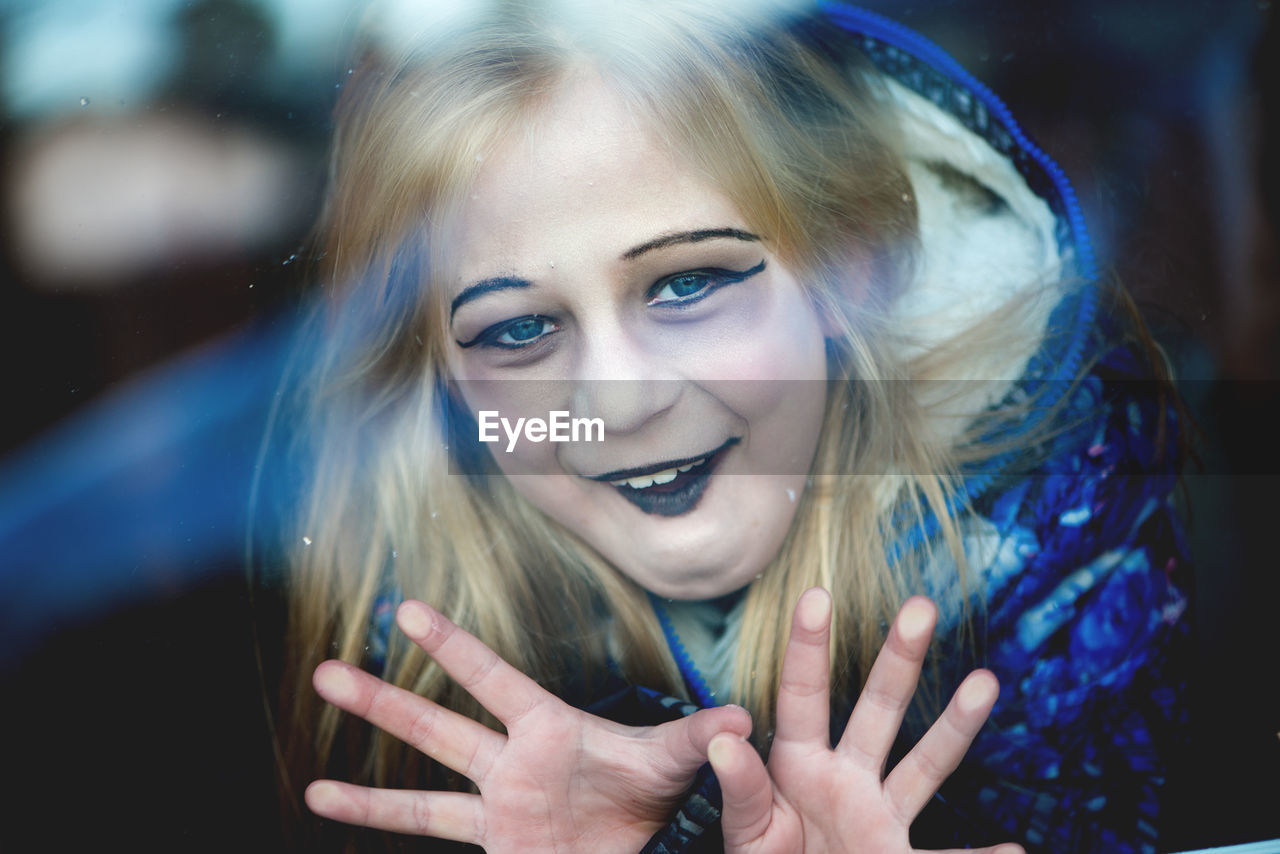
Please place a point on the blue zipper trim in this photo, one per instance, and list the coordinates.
(891, 32)
(684, 661)
(1044, 367)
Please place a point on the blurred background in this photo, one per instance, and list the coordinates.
(161, 162)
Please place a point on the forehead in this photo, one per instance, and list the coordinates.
(584, 176)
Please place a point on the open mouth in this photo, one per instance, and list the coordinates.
(669, 488)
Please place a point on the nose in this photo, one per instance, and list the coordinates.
(624, 383)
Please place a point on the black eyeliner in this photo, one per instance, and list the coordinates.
(497, 329)
(717, 279)
(720, 279)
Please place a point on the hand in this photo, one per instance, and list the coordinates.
(815, 799)
(560, 780)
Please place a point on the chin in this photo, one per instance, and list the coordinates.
(722, 546)
(699, 572)
(712, 586)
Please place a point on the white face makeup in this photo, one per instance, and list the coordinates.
(613, 283)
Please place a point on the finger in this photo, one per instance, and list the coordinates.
(453, 740)
(804, 691)
(745, 788)
(500, 688)
(446, 815)
(877, 715)
(687, 741)
(914, 780)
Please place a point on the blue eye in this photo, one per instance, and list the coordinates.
(681, 286)
(689, 287)
(515, 334)
(523, 330)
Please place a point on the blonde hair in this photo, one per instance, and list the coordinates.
(791, 125)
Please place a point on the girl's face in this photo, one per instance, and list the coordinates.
(602, 278)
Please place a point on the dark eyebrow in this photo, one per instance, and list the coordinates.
(688, 237)
(484, 286)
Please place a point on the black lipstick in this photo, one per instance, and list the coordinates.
(680, 495)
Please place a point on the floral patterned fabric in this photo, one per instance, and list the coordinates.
(1086, 627)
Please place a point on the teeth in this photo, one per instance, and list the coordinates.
(664, 476)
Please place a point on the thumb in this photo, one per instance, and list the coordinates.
(687, 740)
(746, 789)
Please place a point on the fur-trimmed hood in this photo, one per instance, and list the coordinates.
(1002, 235)
(998, 219)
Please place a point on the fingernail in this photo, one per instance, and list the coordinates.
(414, 620)
(814, 610)
(336, 684)
(323, 796)
(915, 620)
(975, 693)
(720, 750)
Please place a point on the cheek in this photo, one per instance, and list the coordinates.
(774, 339)
(775, 378)
(514, 421)
(784, 420)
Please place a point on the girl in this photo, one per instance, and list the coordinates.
(836, 320)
